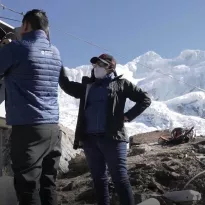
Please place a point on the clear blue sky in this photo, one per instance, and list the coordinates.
(126, 27)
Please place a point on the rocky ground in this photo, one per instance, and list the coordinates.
(153, 170)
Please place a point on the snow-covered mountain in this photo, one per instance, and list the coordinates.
(174, 103)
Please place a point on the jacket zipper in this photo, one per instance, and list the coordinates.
(86, 93)
(98, 115)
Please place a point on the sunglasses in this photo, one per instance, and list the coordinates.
(102, 64)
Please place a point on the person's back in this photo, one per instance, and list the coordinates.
(31, 69)
(33, 80)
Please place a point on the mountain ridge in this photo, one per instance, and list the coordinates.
(174, 103)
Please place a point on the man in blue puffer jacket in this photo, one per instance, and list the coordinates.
(31, 69)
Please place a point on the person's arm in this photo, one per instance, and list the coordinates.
(74, 89)
(6, 59)
(137, 95)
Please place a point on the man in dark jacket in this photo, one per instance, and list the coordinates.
(31, 69)
(100, 128)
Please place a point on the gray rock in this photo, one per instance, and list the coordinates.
(139, 149)
(147, 138)
(67, 137)
(7, 191)
(183, 196)
(155, 186)
(171, 165)
(68, 187)
(201, 149)
(151, 201)
(78, 165)
(88, 196)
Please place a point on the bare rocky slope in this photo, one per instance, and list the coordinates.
(153, 170)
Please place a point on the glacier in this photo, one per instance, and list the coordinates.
(174, 102)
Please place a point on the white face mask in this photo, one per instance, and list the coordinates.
(100, 72)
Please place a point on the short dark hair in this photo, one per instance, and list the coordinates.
(37, 19)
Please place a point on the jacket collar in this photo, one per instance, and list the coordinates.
(106, 79)
(34, 35)
(110, 76)
(88, 80)
(117, 77)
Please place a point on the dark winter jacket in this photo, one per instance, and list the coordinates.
(96, 106)
(31, 69)
(119, 90)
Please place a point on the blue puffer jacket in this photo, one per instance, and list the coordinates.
(31, 68)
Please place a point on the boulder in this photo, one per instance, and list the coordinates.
(78, 165)
(67, 139)
(7, 191)
(183, 196)
(147, 138)
(139, 149)
(151, 201)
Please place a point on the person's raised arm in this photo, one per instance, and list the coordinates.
(74, 89)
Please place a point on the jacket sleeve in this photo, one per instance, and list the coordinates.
(74, 89)
(141, 98)
(6, 59)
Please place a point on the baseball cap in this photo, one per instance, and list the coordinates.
(105, 58)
